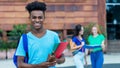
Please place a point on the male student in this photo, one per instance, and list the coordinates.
(41, 41)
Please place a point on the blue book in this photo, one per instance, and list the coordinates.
(91, 46)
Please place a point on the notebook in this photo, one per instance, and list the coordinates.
(59, 50)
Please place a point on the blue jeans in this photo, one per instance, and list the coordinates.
(97, 59)
(79, 60)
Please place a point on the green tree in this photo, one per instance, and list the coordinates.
(15, 34)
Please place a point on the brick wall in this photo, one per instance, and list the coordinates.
(69, 12)
(12, 12)
(62, 13)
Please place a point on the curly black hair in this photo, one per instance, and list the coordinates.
(36, 6)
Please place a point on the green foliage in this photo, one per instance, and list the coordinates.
(1, 32)
(87, 30)
(13, 44)
(14, 36)
(3, 45)
(18, 30)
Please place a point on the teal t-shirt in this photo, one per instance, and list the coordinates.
(39, 48)
(96, 41)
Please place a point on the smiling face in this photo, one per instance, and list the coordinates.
(94, 30)
(37, 18)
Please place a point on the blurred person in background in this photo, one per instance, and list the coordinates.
(76, 45)
(96, 54)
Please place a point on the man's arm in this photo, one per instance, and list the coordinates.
(21, 64)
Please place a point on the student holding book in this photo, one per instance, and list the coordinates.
(76, 45)
(41, 42)
(96, 54)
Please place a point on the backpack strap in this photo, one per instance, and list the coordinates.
(25, 46)
(25, 42)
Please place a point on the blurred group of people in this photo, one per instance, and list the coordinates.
(96, 43)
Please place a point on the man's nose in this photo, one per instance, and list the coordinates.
(37, 19)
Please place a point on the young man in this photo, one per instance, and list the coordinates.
(41, 42)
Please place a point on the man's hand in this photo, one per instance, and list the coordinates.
(61, 59)
(51, 58)
(51, 61)
(46, 64)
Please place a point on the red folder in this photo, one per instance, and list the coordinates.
(61, 47)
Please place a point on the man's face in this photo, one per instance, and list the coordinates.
(37, 19)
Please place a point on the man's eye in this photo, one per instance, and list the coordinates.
(40, 17)
(33, 17)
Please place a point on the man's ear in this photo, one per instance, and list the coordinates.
(29, 16)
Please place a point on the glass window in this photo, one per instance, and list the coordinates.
(113, 13)
(113, 19)
(112, 1)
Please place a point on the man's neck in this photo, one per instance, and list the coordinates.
(39, 33)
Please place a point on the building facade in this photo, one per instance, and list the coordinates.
(62, 15)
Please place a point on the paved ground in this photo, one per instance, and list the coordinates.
(111, 61)
(104, 66)
(108, 59)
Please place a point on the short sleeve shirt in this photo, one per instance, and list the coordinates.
(78, 43)
(96, 40)
(39, 48)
